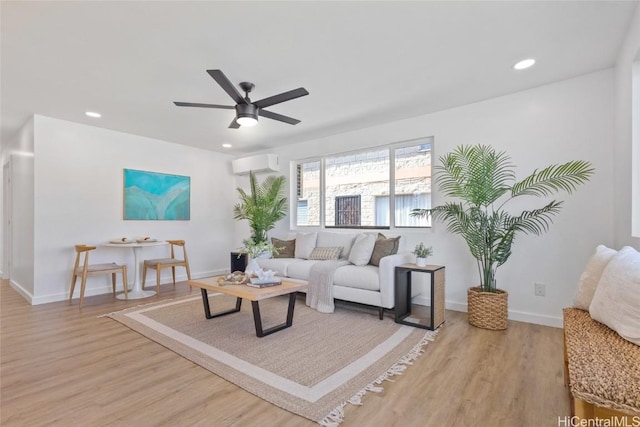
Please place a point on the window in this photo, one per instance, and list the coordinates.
(377, 188)
(405, 203)
(412, 184)
(308, 193)
(303, 212)
(366, 174)
(347, 211)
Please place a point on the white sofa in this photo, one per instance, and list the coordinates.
(365, 284)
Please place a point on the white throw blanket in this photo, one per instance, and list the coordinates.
(320, 291)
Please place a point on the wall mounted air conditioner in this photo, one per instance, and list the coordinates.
(258, 163)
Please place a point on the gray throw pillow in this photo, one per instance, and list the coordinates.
(384, 246)
(286, 248)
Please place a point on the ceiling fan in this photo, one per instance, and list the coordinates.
(247, 111)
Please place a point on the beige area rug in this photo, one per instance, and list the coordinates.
(312, 369)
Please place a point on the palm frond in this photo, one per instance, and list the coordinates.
(420, 213)
(554, 178)
(477, 174)
(536, 221)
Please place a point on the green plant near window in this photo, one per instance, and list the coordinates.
(484, 180)
(263, 206)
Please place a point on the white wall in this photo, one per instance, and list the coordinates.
(568, 120)
(78, 192)
(624, 155)
(17, 154)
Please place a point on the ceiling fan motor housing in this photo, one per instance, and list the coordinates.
(246, 110)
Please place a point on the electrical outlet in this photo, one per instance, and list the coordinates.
(539, 289)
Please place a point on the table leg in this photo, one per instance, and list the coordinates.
(207, 308)
(258, 320)
(137, 292)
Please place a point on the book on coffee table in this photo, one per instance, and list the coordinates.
(264, 283)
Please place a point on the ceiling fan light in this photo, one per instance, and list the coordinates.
(247, 121)
(524, 64)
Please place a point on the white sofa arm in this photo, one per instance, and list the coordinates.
(387, 273)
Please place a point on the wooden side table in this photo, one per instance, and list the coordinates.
(403, 295)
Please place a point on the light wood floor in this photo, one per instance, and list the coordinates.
(64, 367)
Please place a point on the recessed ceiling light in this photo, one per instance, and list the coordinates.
(93, 114)
(525, 63)
(227, 145)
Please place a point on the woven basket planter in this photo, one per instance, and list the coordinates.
(487, 310)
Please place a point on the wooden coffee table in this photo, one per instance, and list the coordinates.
(255, 295)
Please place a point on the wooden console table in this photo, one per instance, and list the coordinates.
(403, 295)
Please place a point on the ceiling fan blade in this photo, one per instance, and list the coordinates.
(282, 97)
(279, 117)
(195, 104)
(228, 87)
(234, 124)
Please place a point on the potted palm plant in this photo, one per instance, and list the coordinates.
(483, 179)
(263, 206)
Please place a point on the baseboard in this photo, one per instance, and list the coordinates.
(44, 299)
(538, 319)
(22, 291)
(519, 316)
(62, 296)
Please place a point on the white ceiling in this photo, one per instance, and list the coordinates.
(364, 63)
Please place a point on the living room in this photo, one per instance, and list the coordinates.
(67, 174)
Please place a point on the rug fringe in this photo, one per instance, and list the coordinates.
(336, 416)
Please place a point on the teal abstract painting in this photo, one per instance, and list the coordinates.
(156, 196)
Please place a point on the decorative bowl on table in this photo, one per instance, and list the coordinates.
(121, 240)
(145, 240)
(235, 278)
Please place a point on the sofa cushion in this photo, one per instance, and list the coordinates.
(279, 265)
(616, 302)
(328, 253)
(384, 246)
(301, 269)
(329, 239)
(590, 277)
(362, 249)
(361, 277)
(305, 242)
(286, 248)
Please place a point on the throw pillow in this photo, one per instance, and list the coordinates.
(591, 276)
(362, 249)
(305, 242)
(286, 248)
(384, 246)
(616, 302)
(326, 253)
